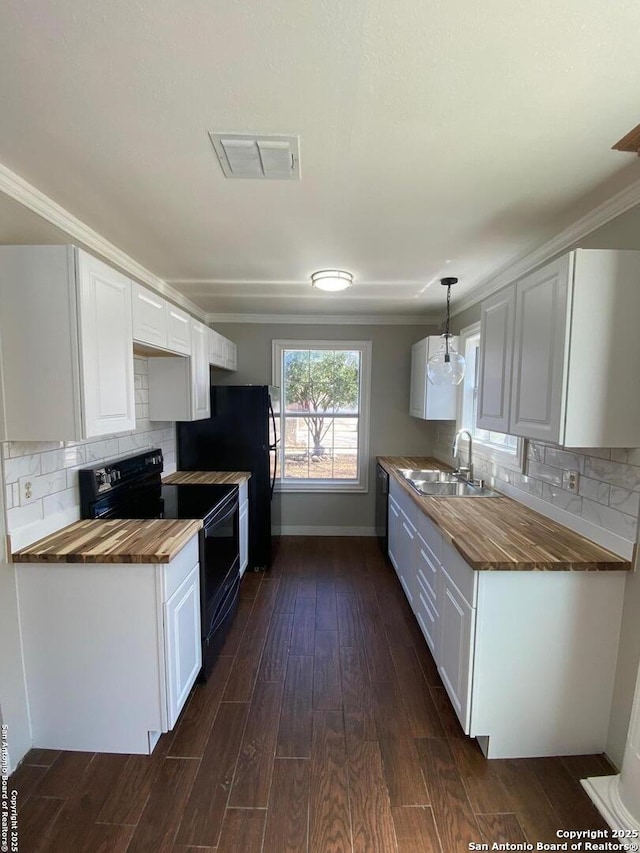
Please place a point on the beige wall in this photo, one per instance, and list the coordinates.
(392, 431)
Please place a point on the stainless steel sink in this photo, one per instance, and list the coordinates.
(459, 489)
(429, 475)
(444, 484)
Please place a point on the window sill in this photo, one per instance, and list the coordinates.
(321, 488)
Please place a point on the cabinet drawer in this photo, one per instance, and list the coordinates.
(460, 573)
(427, 618)
(179, 568)
(427, 571)
(430, 535)
(408, 507)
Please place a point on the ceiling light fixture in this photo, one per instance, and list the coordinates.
(446, 367)
(332, 280)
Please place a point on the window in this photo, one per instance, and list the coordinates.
(323, 422)
(506, 449)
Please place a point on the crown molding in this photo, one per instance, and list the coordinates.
(619, 203)
(326, 319)
(33, 199)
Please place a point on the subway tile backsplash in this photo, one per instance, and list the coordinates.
(41, 478)
(609, 484)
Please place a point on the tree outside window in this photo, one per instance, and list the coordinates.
(321, 413)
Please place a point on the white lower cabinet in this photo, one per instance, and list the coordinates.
(183, 648)
(243, 498)
(527, 658)
(402, 538)
(111, 650)
(455, 658)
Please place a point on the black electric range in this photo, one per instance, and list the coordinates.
(132, 488)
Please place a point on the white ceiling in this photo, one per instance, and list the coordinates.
(435, 138)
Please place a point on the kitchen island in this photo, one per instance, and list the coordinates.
(521, 615)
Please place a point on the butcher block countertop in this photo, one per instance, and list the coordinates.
(95, 541)
(206, 478)
(501, 534)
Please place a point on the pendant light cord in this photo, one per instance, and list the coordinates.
(446, 330)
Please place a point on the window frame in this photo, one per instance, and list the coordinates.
(278, 347)
(514, 461)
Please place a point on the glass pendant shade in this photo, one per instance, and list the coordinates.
(446, 368)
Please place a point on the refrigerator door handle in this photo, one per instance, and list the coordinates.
(275, 473)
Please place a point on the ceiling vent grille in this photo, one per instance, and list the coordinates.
(246, 155)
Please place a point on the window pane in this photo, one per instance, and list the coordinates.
(317, 384)
(295, 380)
(345, 464)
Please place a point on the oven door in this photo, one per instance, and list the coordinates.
(220, 562)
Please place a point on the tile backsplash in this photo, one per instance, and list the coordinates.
(608, 494)
(41, 478)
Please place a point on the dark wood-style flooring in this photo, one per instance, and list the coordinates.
(324, 728)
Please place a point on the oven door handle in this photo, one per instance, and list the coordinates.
(217, 520)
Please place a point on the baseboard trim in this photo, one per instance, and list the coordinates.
(321, 530)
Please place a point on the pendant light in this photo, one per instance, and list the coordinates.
(446, 367)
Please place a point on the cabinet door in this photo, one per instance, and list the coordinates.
(150, 317)
(200, 394)
(394, 527)
(106, 346)
(417, 396)
(537, 395)
(497, 320)
(183, 643)
(244, 536)
(407, 561)
(217, 353)
(231, 355)
(456, 645)
(179, 330)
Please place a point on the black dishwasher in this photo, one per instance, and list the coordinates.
(382, 507)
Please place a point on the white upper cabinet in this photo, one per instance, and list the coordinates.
(230, 355)
(179, 387)
(158, 323)
(222, 352)
(179, 329)
(494, 373)
(150, 317)
(106, 356)
(216, 349)
(537, 404)
(66, 338)
(572, 371)
(200, 382)
(427, 401)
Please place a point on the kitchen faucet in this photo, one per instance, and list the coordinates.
(468, 471)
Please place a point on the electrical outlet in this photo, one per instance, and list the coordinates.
(570, 480)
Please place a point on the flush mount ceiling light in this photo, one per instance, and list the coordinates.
(332, 280)
(446, 367)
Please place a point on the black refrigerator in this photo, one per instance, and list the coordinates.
(240, 435)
